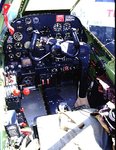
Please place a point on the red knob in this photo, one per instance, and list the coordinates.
(16, 92)
(26, 91)
(23, 124)
(22, 109)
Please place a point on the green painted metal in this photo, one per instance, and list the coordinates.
(102, 54)
(110, 70)
(23, 6)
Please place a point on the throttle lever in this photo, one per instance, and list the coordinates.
(75, 38)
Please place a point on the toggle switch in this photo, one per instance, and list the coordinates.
(43, 82)
(48, 81)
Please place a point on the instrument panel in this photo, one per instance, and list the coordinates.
(49, 25)
(17, 46)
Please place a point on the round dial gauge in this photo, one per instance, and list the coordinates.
(67, 36)
(66, 26)
(58, 36)
(19, 24)
(9, 46)
(18, 45)
(18, 54)
(18, 36)
(35, 20)
(27, 20)
(11, 55)
(57, 27)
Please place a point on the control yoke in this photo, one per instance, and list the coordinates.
(69, 48)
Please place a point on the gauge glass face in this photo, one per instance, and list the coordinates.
(18, 54)
(11, 56)
(18, 36)
(35, 20)
(66, 26)
(67, 36)
(19, 24)
(18, 45)
(27, 20)
(9, 46)
(58, 36)
(57, 27)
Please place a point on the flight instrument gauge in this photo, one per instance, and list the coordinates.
(28, 20)
(35, 20)
(57, 27)
(18, 36)
(18, 45)
(66, 26)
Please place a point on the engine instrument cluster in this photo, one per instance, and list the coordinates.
(28, 50)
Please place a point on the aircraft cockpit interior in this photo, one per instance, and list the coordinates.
(44, 51)
(49, 59)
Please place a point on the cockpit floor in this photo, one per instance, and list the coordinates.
(34, 106)
(62, 94)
